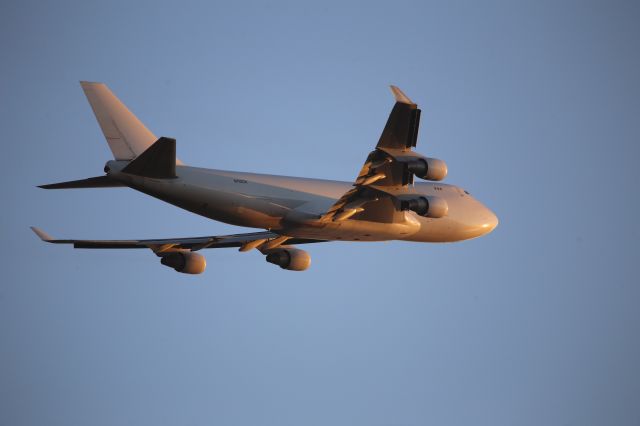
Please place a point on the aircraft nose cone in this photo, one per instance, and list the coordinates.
(490, 222)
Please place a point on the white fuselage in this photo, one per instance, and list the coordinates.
(292, 205)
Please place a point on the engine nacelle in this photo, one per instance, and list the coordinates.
(289, 258)
(428, 168)
(427, 206)
(185, 261)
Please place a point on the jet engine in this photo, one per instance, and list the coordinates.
(289, 258)
(428, 168)
(427, 206)
(185, 261)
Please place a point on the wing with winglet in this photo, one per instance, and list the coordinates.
(391, 165)
(247, 241)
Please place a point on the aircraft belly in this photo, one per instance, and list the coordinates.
(435, 230)
(357, 230)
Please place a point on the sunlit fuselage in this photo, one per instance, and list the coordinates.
(292, 205)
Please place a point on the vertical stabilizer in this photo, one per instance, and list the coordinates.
(126, 135)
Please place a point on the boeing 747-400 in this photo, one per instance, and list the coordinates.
(383, 203)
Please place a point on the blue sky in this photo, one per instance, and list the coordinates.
(533, 105)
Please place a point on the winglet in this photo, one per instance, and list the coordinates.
(41, 234)
(400, 97)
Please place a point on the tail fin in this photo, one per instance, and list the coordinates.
(126, 135)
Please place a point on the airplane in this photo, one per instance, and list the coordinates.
(383, 203)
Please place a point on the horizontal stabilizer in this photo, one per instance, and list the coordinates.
(93, 182)
(158, 161)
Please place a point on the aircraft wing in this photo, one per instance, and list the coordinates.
(401, 130)
(388, 166)
(163, 244)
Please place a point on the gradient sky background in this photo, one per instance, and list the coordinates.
(535, 106)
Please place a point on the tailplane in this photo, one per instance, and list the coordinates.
(93, 182)
(158, 162)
